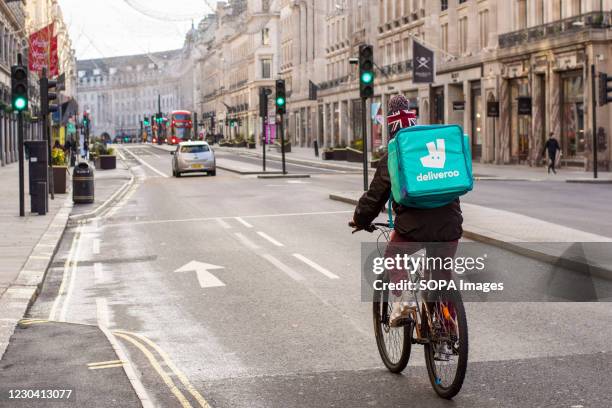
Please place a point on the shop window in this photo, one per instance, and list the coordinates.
(572, 120)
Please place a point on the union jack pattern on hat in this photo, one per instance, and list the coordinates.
(401, 119)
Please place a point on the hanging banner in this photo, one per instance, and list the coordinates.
(43, 51)
(423, 67)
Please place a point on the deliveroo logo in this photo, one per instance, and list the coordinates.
(437, 155)
(435, 159)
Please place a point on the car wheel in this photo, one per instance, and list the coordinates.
(178, 174)
(212, 173)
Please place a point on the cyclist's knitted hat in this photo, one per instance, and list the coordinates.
(397, 103)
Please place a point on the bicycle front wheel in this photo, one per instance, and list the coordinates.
(446, 354)
(394, 343)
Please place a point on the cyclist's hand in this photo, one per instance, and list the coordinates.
(357, 228)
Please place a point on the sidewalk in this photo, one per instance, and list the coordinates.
(303, 155)
(525, 235)
(28, 244)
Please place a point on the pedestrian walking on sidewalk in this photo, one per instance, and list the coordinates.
(554, 150)
(86, 150)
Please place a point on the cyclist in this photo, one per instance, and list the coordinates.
(413, 226)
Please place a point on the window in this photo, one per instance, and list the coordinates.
(398, 51)
(539, 12)
(444, 39)
(407, 49)
(483, 17)
(443, 5)
(266, 68)
(557, 10)
(522, 14)
(576, 7)
(463, 35)
(265, 36)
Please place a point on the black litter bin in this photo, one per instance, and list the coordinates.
(83, 184)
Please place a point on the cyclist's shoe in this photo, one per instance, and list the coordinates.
(443, 352)
(401, 312)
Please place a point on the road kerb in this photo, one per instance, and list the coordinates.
(560, 261)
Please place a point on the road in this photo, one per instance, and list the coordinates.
(246, 293)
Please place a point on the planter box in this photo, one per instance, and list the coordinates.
(328, 155)
(354, 156)
(340, 154)
(106, 162)
(252, 145)
(241, 144)
(287, 148)
(59, 179)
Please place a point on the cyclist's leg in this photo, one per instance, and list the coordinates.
(399, 245)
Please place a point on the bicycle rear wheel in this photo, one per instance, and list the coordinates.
(394, 343)
(446, 354)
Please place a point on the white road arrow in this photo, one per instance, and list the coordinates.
(206, 279)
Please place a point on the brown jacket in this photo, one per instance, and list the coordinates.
(415, 224)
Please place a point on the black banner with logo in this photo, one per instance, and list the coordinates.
(423, 64)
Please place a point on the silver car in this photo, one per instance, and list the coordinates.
(193, 157)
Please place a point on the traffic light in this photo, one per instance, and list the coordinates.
(47, 95)
(281, 99)
(366, 71)
(146, 121)
(605, 88)
(19, 86)
(263, 102)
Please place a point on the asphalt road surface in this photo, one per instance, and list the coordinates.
(235, 291)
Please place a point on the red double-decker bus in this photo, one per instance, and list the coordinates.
(180, 127)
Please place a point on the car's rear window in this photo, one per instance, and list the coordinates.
(182, 116)
(194, 149)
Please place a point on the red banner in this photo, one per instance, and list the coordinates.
(43, 51)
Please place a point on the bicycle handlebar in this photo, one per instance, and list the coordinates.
(370, 228)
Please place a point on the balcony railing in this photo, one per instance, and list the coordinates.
(594, 20)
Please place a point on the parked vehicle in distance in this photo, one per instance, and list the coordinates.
(193, 157)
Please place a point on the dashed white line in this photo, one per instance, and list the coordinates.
(96, 246)
(290, 272)
(247, 242)
(269, 238)
(243, 222)
(141, 161)
(102, 312)
(75, 261)
(316, 266)
(222, 223)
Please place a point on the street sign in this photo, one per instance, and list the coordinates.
(524, 105)
(205, 278)
(493, 109)
(459, 105)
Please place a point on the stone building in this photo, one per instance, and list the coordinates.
(13, 40)
(118, 92)
(240, 57)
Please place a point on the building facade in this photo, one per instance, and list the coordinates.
(118, 92)
(13, 40)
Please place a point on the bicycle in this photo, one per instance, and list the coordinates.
(438, 322)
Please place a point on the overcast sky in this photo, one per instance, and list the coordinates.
(106, 28)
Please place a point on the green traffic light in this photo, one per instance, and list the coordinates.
(367, 77)
(280, 101)
(20, 103)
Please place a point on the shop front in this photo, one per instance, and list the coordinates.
(572, 116)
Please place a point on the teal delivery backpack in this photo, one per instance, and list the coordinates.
(430, 166)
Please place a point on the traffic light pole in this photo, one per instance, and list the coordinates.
(282, 136)
(594, 120)
(264, 121)
(21, 164)
(365, 143)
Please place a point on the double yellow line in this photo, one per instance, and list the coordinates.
(141, 342)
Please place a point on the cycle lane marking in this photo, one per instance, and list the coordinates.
(269, 238)
(284, 268)
(223, 223)
(245, 241)
(316, 266)
(144, 163)
(243, 222)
